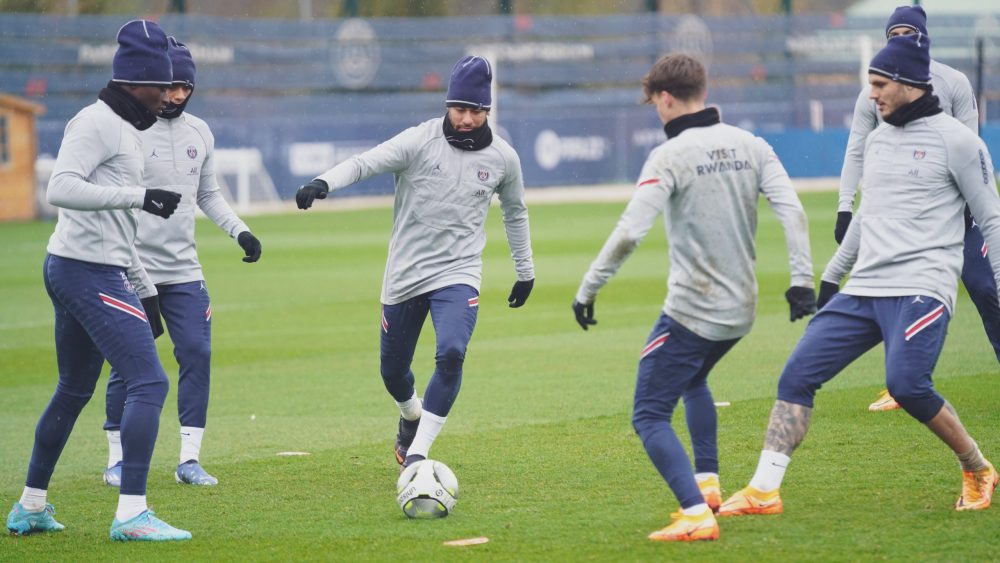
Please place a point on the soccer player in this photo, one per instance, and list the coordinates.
(98, 315)
(956, 98)
(178, 150)
(446, 172)
(922, 166)
(705, 179)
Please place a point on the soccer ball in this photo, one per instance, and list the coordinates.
(427, 489)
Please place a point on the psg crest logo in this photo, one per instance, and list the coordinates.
(192, 151)
(129, 288)
(484, 175)
(919, 155)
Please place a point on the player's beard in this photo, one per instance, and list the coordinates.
(474, 140)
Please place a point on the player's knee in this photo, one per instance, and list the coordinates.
(697, 391)
(645, 424)
(795, 389)
(450, 359)
(392, 369)
(640, 424)
(922, 406)
(149, 388)
(980, 288)
(194, 353)
(72, 400)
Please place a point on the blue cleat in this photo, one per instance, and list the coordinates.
(21, 522)
(146, 527)
(113, 475)
(191, 473)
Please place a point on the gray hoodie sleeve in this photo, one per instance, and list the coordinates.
(843, 260)
(647, 203)
(210, 198)
(141, 281)
(971, 167)
(84, 147)
(864, 122)
(393, 155)
(777, 188)
(515, 219)
(963, 102)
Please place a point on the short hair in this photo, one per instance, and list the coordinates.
(682, 76)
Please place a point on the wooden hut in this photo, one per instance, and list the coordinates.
(18, 151)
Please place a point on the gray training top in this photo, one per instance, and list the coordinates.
(706, 182)
(954, 93)
(96, 184)
(180, 157)
(442, 197)
(908, 235)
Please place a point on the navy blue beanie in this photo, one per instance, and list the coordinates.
(142, 57)
(469, 85)
(912, 17)
(906, 59)
(180, 58)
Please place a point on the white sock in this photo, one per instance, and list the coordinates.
(702, 477)
(430, 426)
(410, 409)
(191, 442)
(33, 500)
(130, 506)
(770, 471)
(695, 510)
(114, 447)
(972, 460)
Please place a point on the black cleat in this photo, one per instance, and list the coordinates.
(407, 431)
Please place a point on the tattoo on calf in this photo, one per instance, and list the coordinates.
(787, 427)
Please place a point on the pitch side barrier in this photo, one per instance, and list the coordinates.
(309, 94)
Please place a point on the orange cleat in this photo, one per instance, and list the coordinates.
(712, 492)
(977, 488)
(751, 501)
(689, 528)
(885, 402)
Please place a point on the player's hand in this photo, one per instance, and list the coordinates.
(152, 307)
(159, 202)
(519, 293)
(843, 221)
(250, 245)
(316, 189)
(826, 292)
(584, 314)
(801, 302)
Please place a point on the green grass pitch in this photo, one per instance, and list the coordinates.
(540, 438)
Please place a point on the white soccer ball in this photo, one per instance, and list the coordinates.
(427, 489)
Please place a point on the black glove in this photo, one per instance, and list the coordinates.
(584, 314)
(250, 245)
(519, 293)
(316, 189)
(843, 221)
(826, 292)
(801, 302)
(162, 203)
(152, 307)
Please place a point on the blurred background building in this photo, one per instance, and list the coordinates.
(291, 88)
